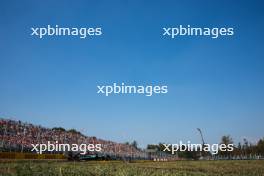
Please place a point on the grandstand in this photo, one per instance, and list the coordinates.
(17, 136)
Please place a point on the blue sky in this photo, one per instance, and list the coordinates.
(214, 84)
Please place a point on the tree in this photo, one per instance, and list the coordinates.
(73, 131)
(226, 140)
(59, 129)
(260, 147)
(134, 144)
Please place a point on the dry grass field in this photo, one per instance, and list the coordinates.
(116, 168)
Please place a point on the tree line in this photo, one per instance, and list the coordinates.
(242, 150)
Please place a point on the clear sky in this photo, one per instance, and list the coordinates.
(214, 84)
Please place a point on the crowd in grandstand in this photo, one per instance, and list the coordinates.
(18, 136)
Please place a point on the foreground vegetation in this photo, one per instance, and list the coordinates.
(114, 168)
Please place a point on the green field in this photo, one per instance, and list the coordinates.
(114, 168)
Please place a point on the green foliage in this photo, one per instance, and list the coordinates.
(134, 144)
(73, 131)
(59, 129)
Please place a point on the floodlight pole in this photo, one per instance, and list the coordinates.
(200, 131)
